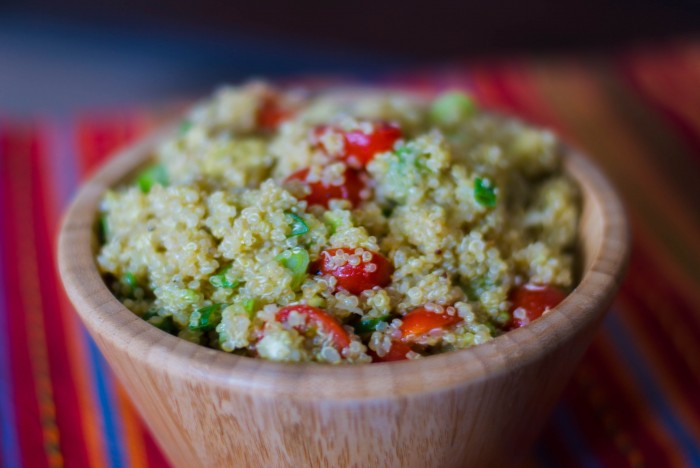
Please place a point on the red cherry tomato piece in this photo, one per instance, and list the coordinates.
(420, 321)
(530, 301)
(322, 193)
(321, 320)
(359, 148)
(356, 278)
(397, 352)
(271, 113)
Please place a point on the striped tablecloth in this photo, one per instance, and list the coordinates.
(635, 398)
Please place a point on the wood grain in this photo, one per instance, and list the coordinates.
(482, 406)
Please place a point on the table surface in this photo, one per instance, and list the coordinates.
(633, 400)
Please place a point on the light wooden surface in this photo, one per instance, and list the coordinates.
(476, 407)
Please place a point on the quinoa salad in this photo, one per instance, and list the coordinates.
(342, 227)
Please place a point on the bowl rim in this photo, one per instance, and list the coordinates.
(109, 320)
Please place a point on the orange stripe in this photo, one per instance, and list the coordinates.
(78, 353)
(133, 430)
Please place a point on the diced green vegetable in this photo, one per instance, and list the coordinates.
(451, 108)
(295, 260)
(185, 126)
(220, 280)
(297, 224)
(151, 176)
(206, 318)
(368, 325)
(484, 192)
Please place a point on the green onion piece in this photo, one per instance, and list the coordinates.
(367, 325)
(484, 192)
(296, 261)
(152, 176)
(333, 222)
(206, 318)
(297, 224)
(220, 280)
(185, 126)
(102, 229)
(249, 306)
(451, 108)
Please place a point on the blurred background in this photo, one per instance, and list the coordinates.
(56, 56)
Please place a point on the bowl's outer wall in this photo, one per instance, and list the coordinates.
(478, 407)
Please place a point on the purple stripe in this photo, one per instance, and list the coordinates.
(9, 444)
(61, 135)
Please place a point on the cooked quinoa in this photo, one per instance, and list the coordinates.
(335, 228)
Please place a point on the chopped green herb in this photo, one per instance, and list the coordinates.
(206, 318)
(297, 224)
(484, 192)
(451, 108)
(367, 325)
(185, 126)
(220, 280)
(295, 260)
(152, 176)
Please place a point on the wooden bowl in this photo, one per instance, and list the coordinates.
(479, 406)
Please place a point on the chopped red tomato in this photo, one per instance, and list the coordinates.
(397, 352)
(318, 319)
(356, 274)
(359, 147)
(530, 301)
(420, 321)
(272, 113)
(322, 193)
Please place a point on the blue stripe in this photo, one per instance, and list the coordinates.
(573, 438)
(111, 422)
(650, 390)
(9, 444)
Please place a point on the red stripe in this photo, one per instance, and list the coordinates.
(16, 144)
(100, 136)
(156, 459)
(65, 394)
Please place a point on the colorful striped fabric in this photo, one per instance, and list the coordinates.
(634, 399)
